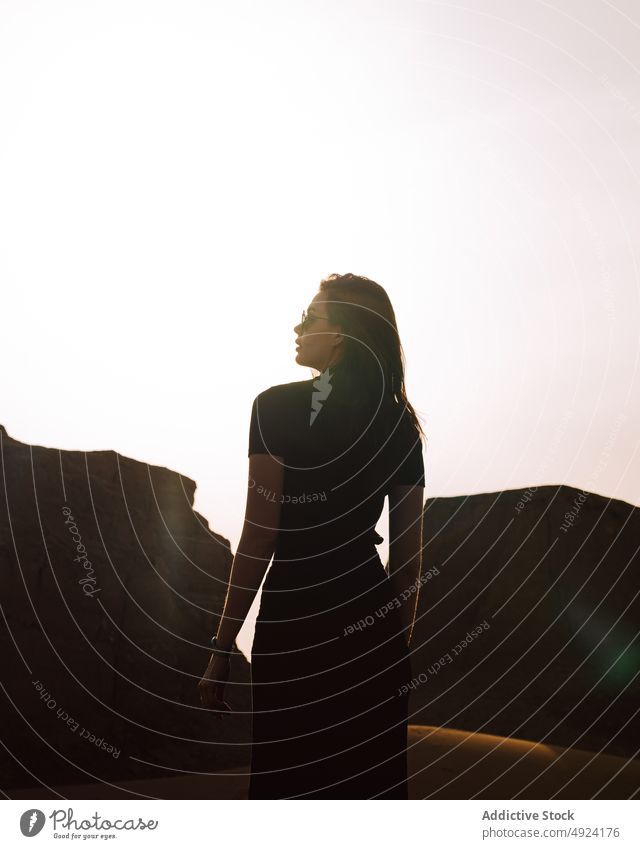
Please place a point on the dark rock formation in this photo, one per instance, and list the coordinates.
(531, 627)
(111, 586)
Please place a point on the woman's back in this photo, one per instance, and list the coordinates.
(342, 451)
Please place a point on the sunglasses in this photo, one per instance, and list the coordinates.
(307, 318)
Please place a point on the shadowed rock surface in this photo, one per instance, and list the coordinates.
(111, 586)
(553, 574)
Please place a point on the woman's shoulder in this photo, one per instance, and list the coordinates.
(283, 398)
(285, 390)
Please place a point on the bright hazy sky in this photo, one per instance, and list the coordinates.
(176, 178)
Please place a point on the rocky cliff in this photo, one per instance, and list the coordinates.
(529, 618)
(111, 585)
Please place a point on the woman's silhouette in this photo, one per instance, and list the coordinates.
(331, 646)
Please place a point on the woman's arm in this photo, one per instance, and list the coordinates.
(405, 550)
(257, 543)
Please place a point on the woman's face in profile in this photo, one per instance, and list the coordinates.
(317, 339)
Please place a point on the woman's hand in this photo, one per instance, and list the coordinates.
(211, 686)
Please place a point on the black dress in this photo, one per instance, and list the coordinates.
(328, 658)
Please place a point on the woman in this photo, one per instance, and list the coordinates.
(331, 645)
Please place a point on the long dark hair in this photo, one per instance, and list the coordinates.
(373, 356)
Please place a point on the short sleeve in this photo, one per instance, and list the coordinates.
(408, 467)
(266, 426)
